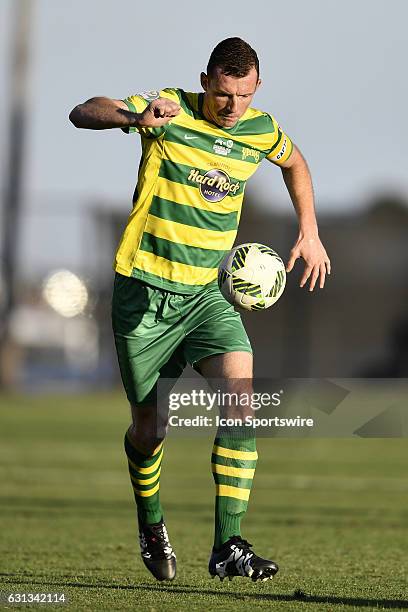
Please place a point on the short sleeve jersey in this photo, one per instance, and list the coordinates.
(189, 191)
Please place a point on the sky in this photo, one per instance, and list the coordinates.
(334, 75)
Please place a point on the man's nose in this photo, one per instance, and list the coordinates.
(233, 104)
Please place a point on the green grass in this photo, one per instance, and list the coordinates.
(332, 513)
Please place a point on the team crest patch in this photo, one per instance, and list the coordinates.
(150, 95)
(222, 147)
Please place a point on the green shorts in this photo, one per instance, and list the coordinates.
(158, 332)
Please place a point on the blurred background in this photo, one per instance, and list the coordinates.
(332, 75)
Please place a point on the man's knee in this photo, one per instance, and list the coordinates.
(236, 400)
(234, 365)
(231, 374)
(144, 441)
(148, 428)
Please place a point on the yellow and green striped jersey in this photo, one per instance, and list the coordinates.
(189, 192)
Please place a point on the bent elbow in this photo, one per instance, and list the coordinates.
(75, 116)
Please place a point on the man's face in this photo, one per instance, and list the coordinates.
(226, 98)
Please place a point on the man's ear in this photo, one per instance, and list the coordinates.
(204, 81)
(259, 83)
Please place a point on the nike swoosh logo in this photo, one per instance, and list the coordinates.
(189, 137)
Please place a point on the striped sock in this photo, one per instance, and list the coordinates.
(144, 473)
(233, 464)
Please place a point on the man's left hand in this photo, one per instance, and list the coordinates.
(317, 263)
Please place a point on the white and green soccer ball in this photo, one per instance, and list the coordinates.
(252, 276)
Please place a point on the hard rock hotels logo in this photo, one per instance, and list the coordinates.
(214, 185)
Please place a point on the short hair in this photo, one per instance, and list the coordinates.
(234, 57)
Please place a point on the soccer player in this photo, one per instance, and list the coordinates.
(198, 151)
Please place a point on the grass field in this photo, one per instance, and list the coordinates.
(332, 513)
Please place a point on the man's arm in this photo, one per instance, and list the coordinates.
(105, 113)
(308, 246)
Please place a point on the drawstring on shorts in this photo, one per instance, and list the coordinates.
(160, 314)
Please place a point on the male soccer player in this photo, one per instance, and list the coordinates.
(198, 151)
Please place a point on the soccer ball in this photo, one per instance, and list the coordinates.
(252, 276)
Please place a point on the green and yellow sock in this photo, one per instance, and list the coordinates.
(233, 463)
(144, 473)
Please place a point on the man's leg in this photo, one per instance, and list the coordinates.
(144, 450)
(148, 342)
(234, 454)
(233, 461)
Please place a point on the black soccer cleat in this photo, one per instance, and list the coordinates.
(235, 558)
(156, 551)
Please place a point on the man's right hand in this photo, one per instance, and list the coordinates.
(158, 113)
(101, 113)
